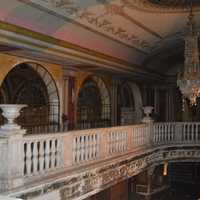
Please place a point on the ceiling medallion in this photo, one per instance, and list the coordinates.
(188, 79)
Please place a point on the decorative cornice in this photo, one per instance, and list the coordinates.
(29, 39)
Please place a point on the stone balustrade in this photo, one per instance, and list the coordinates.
(176, 133)
(50, 153)
(27, 159)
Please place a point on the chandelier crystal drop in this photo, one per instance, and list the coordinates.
(188, 79)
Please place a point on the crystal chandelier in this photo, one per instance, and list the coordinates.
(188, 79)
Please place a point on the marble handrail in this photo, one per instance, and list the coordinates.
(41, 155)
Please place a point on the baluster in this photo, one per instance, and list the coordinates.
(136, 137)
(133, 137)
(85, 148)
(89, 147)
(116, 134)
(166, 132)
(35, 157)
(183, 133)
(78, 149)
(47, 155)
(190, 132)
(74, 150)
(28, 158)
(171, 132)
(120, 141)
(53, 153)
(94, 146)
(97, 149)
(156, 134)
(193, 132)
(60, 157)
(115, 143)
(159, 132)
(41, 156)
(124, 141)
(141, 135)
(163, 133)
(82, 141)
(25, 153)
(186, 132)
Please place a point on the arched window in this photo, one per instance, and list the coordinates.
(31, 84)
(93, 105)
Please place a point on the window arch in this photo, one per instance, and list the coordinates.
(93, 105)
(30, 83)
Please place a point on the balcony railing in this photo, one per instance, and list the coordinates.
(53, 152)
(39, 156)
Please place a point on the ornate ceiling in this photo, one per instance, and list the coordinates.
(134, 31)
(176, 3)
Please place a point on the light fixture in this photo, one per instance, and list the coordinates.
(188, 79)
(165, 168)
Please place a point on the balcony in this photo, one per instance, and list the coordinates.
(78, 164)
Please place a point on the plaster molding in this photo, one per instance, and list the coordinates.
(96, 178)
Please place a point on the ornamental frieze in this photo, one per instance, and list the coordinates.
(102, 177)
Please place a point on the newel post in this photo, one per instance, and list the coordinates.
(149, 121)
(11, 149)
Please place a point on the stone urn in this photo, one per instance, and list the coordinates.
(10, 112)
(147, 111)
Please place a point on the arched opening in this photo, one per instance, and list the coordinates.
(31, 84)
(93, 105)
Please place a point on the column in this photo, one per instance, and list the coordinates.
(66, 95)
(65, 103)
(114, 101)
(71, 102)
(156, 101)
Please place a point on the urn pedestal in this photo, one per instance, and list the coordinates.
(147, 111)
(11, 112)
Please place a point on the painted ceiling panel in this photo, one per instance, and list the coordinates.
(131, 30)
